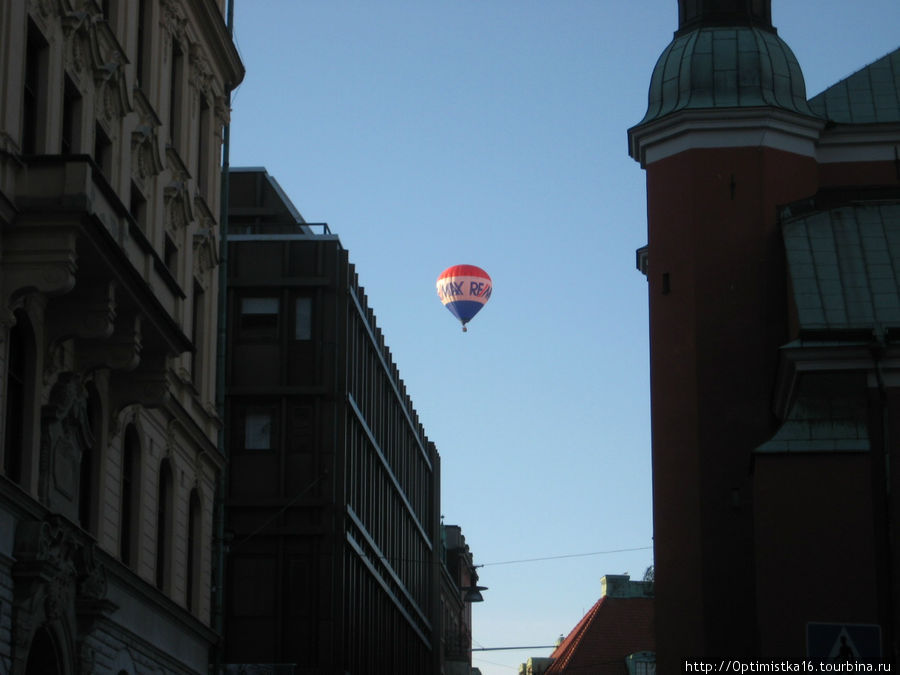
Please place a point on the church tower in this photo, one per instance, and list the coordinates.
(728, 137)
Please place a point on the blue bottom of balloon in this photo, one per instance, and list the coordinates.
(464, 310)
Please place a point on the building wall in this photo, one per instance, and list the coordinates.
(751, 546)
(334, 487)
(816, 525)
(717, 306)
(110, 130)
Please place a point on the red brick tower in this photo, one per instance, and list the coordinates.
(728, 136)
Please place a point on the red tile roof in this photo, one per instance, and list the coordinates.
(610, 631)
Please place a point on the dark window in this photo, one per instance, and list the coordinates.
(163, 525)
(137, 207)
(198, 335)
(90, 457)
(43, 656)
(71, 127)
(16, 370)
(193, 550)
(142, 57)
(33, 95)
(131, 462)
(103, 151)
(176, 86)
(171, 256)
(203, 131)
(259, 317)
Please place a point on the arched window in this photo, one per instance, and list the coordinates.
(90, 464)
(19, 386)
(43, 657)
(131, 473)
(164, 526)
(193, 551)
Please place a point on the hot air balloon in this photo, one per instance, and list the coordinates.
(464, 290)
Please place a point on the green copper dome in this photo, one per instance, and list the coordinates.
(726, 67)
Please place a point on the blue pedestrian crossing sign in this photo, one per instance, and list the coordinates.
(843, 643)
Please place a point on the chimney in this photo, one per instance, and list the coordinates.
(621, 586)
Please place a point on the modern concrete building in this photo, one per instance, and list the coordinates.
(334, 491)
(773, 264)
(111, 117)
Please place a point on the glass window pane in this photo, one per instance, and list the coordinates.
(303, 319)
(259, 318)
(258, 431)
(259, 306)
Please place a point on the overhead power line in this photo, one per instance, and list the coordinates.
(570, 555)
(500, 649)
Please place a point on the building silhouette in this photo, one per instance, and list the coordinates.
(111, 117)
(459, 589)
(336, 559)
(773, 263)
(615, 637)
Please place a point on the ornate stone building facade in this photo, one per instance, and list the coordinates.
(111, 119)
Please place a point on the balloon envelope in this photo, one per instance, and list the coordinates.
(464, 290)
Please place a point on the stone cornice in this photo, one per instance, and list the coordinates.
(218, 41)
(125, 578)
(724, 128)
(859, 143)
(763, 127)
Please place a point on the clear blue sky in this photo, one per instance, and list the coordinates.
(493, 132)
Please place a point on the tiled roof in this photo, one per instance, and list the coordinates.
(845, 267)
(869, 95)
(609, 632)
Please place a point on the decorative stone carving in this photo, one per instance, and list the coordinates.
(171, 427)
(201, 74)
(107, 103)
(148, 386)
(205, 254)
(46, 8)
(79, 53)
(174, 20)
(178, 205)
(65, 434)
(121, 351)
(223, 114)
(38, 256)
(58, 584)
(145, 158)
(87, 312)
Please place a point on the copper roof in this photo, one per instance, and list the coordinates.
(870, 95)
(844, 267)
(726, 67)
